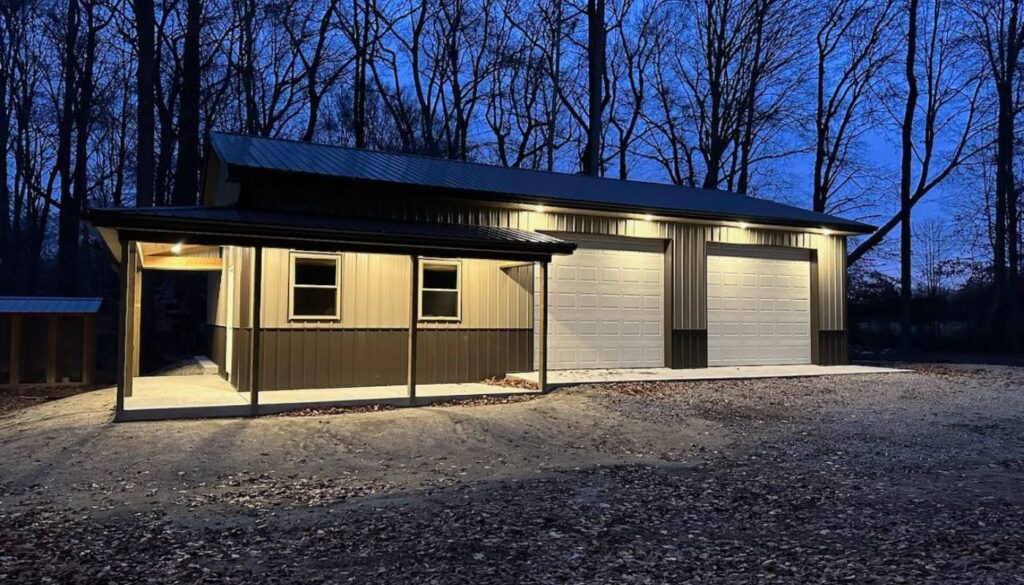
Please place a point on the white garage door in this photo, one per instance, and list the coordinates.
(606, 305)
(759, 308)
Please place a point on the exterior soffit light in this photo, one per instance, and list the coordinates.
(177, 248)
(540, 209)
(743, 225)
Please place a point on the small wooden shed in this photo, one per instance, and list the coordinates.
(47, 340)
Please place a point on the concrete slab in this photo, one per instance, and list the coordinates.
(183, 391)
(201, 396)
(599, 376)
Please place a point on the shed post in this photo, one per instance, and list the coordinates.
(254, 345)
(542, 345)
(414, 311)
(15, 374)
(51, 349)
(88, 349)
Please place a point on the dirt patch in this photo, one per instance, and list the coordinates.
(871, 478)
(11, 400)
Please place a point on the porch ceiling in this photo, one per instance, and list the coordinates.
(250, 227)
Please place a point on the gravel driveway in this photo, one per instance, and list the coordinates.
(871, 478)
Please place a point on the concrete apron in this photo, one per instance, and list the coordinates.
(608, 376)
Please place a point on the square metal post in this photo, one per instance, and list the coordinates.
(254, 346)
(542, 345)
(414, 312)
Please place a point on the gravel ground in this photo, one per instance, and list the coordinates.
(868, 479)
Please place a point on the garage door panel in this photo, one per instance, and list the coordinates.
(607, 308)
(758, 309)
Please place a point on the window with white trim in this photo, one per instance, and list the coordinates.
(440, 290)
(315, 283)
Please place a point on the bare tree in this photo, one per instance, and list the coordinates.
(999, 32)
(596, 48)
(934, 245)
(638, 40)
(852, 49)
(186, 183)
(6, 64)
(936, 137)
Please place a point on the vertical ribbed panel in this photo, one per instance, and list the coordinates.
(375, 294)
(375, 289)
(689, 239)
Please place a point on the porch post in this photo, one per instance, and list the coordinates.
(414, 312)
(542, 359)
(254, 346)
(127, 317)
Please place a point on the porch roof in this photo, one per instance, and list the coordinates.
(249, 227)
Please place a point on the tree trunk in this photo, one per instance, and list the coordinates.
(1004, 163)
(67, 222)
(361, 26)
(906, 169)
(247, 56)
(67, 279)
(187, 173)
(144, 152)
(595, 78)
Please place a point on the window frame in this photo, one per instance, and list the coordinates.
(292, 257)
(426, 263)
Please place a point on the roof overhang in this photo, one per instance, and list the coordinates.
(241, 227)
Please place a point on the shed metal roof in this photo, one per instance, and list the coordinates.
(277, 227)
(50, 305)
(515, 185)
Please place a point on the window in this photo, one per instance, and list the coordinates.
(314, 287)
(440, 294)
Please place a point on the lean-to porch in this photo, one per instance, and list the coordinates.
(313, 357)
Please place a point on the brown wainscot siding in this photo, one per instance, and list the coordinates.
(215, 335)
(833, 349)
(689, 348)
(346, 358)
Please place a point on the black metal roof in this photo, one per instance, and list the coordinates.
(50, 305)
(515, 185)
(284, 228)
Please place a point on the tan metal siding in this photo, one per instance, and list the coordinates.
(689, 244)
(375, 294)
(241, 260)
(832, 283)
